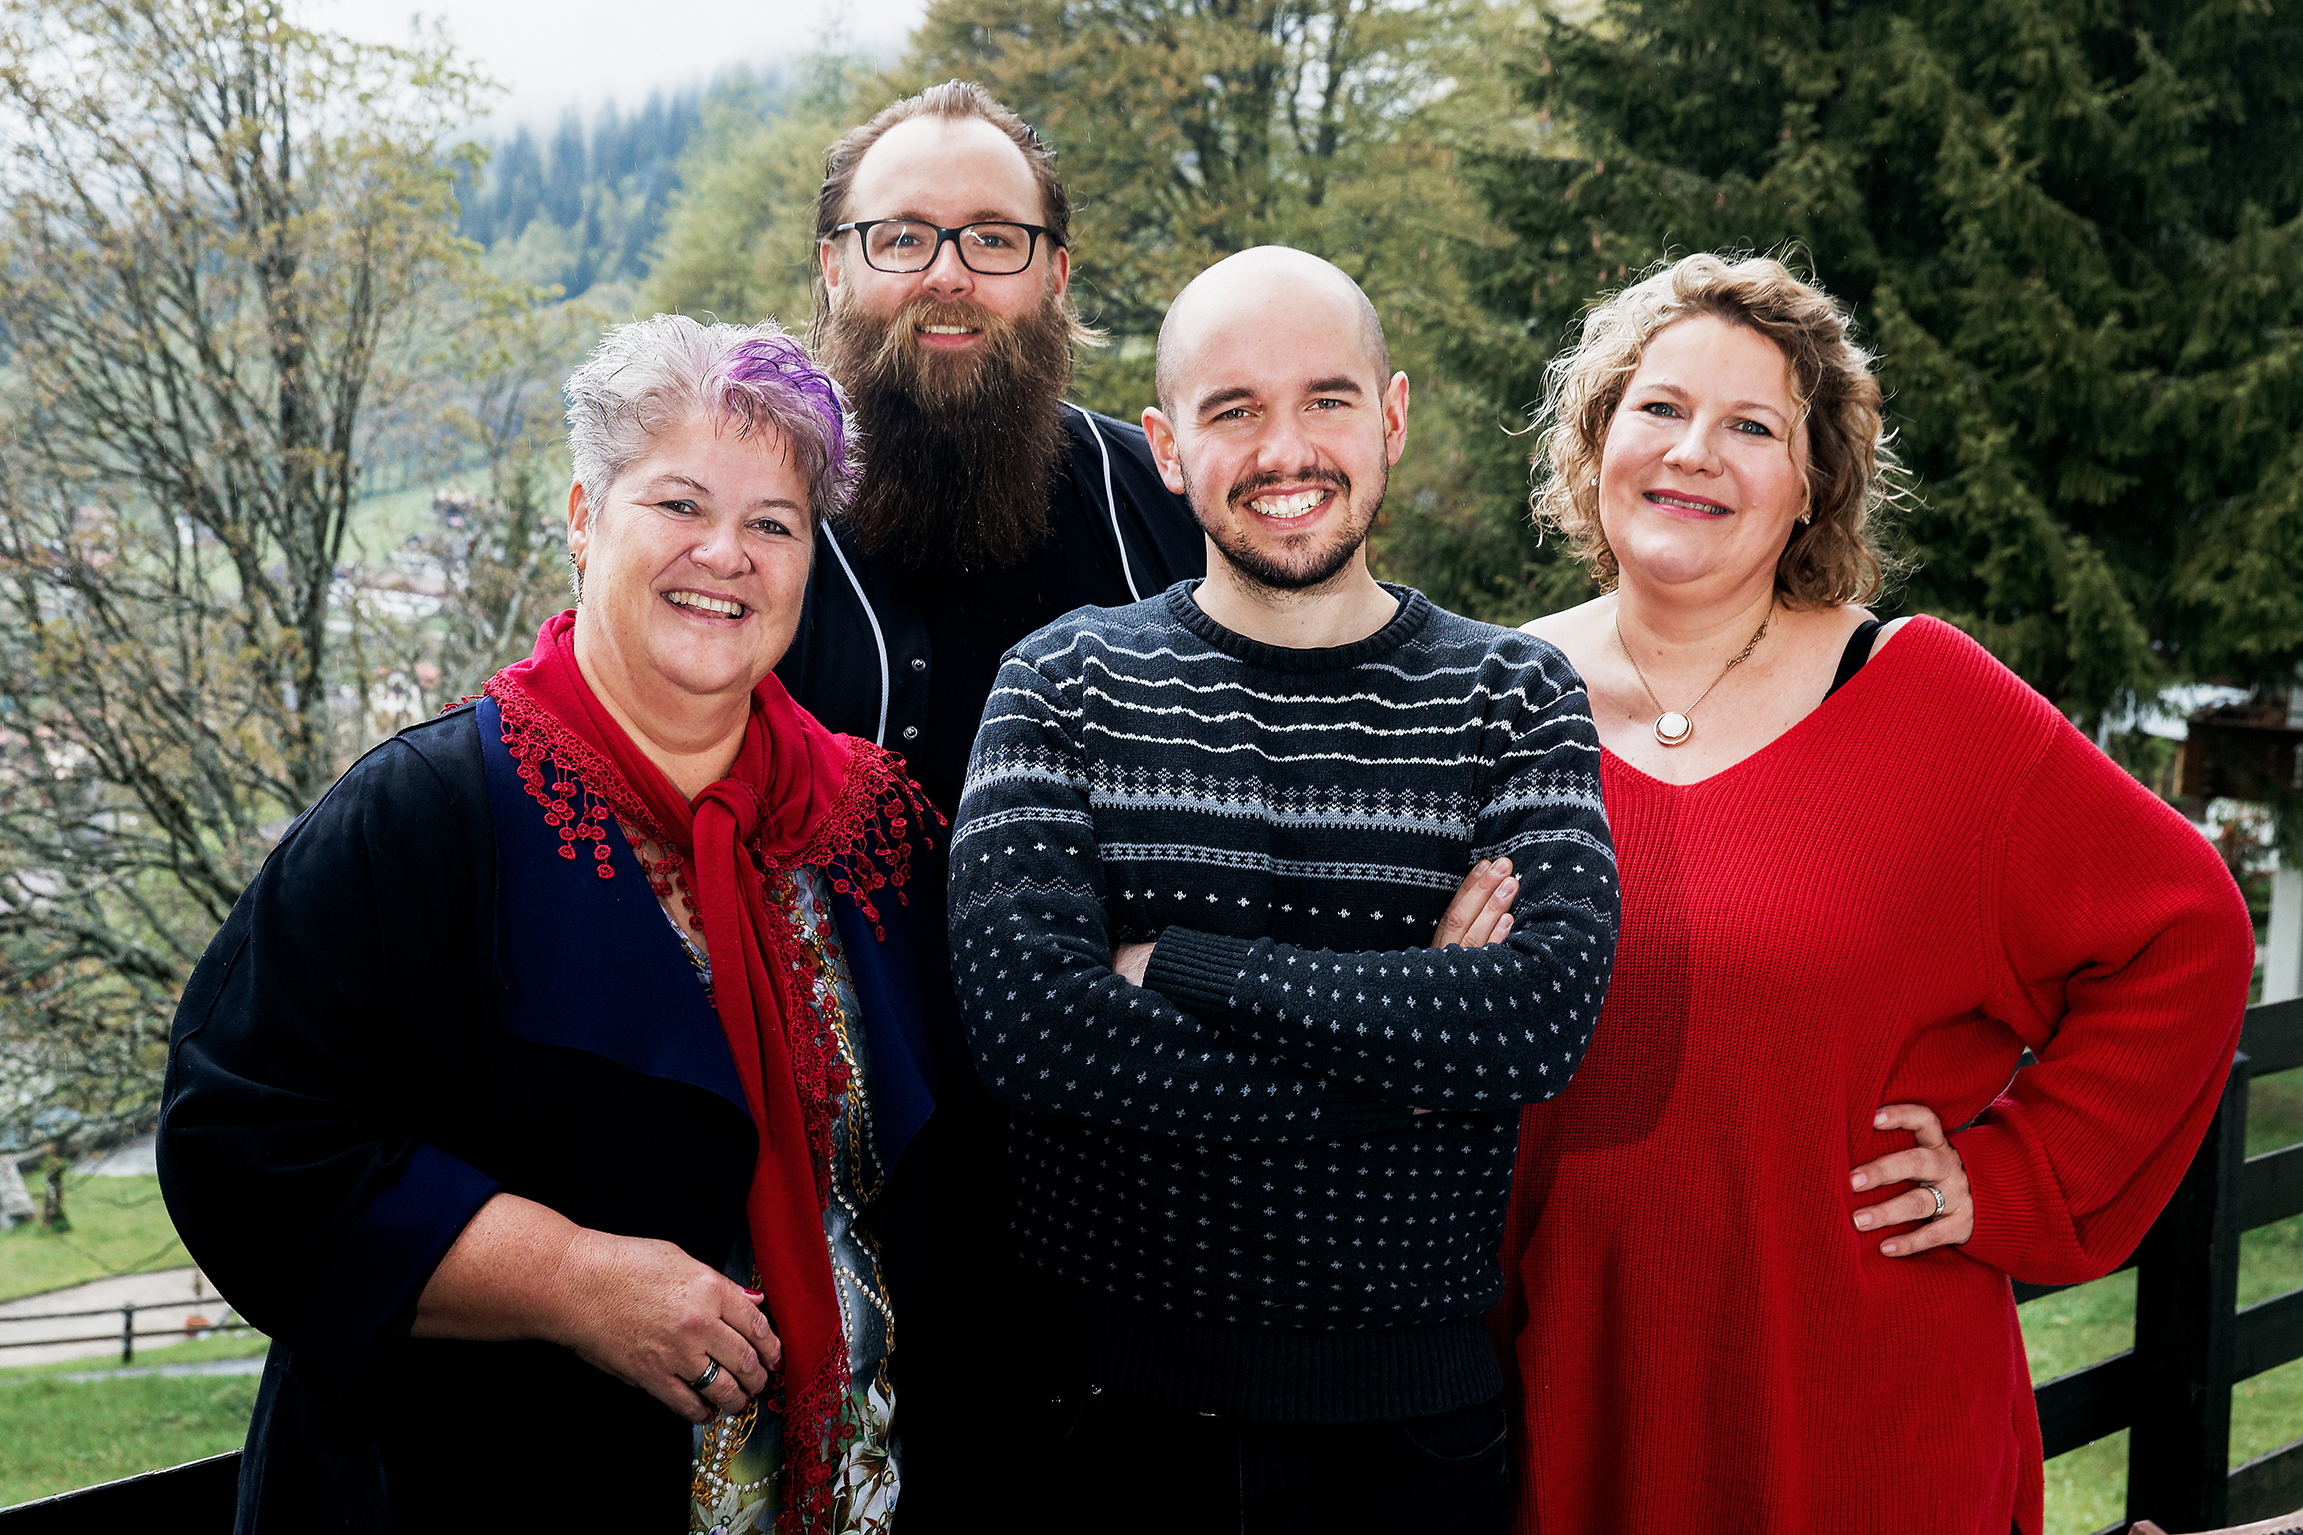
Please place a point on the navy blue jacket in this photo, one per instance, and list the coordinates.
(415, 1004)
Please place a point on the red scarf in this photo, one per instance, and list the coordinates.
(796, 795)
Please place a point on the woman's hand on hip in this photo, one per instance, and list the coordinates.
(1934, 1162)
(653, 1317)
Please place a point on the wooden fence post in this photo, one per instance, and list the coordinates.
(2186, 1325)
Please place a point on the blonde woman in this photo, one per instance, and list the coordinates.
(1759, 1249)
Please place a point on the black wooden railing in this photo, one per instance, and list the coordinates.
(127, 1332)
(2172, 1390)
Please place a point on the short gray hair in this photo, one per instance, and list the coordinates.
(653, 374)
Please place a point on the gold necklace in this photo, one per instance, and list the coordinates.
(1674, 727)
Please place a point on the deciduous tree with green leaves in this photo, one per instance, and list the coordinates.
(2071, 231)
(227, 245)
(739, 239)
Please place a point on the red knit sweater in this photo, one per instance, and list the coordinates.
(1930, 873)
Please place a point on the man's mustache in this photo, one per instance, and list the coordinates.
(967, 313)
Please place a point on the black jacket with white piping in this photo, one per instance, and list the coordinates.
(907, 660)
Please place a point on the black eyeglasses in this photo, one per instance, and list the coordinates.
(907, 245)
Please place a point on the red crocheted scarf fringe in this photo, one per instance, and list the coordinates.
(864, 846)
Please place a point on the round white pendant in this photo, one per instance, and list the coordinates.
(1673, 728)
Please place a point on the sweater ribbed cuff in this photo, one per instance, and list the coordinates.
(2010, 1233)
(1197, 971)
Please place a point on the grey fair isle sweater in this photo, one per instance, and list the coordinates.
(1222, 1178)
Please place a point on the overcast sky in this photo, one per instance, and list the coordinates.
(551, 54)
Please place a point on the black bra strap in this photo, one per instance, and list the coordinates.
(1857, 652)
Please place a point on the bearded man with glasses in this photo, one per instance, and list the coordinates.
(988, 506)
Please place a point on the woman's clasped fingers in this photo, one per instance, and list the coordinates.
(708, 1362)
(1941, 1198)
(718, 1387)
(649, 1314)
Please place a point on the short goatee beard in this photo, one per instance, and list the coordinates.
(958, 451)
(1317, 565)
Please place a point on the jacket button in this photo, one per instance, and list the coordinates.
(919, 663)
(911, 732)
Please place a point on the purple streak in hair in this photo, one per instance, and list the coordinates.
(780, 363)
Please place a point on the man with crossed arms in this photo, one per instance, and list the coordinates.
(1264, 1134)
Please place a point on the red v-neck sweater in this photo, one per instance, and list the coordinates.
(1928, 874)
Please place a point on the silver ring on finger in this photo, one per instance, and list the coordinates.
(703, 1382)
(1940, 1206)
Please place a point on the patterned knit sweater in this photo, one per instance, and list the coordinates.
(1222, 1176)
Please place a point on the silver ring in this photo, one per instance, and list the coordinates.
(703, 1382)
(1940, 1206)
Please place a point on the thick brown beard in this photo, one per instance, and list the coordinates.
(958, 451)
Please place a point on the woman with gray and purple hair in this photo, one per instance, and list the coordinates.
(533, 1095)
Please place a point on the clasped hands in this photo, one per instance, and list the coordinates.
(655, 1318)
(640, 1309)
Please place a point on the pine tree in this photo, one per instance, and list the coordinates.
(603, 195)
(519, 183)
(564, 182)
(739, 228)
(2070, 229)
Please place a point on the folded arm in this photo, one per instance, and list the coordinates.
(1459, 1026)
(1054, 1031)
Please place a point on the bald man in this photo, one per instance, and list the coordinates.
(1273, 898)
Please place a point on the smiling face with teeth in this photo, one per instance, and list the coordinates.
(1704, 471)
(947, 172)
(1278, 420)
(693, 571)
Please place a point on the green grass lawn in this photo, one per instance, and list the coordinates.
(2087, 1489)
(119, 1226)
(63, 1434)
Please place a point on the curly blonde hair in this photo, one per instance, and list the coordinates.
(1853, 477)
